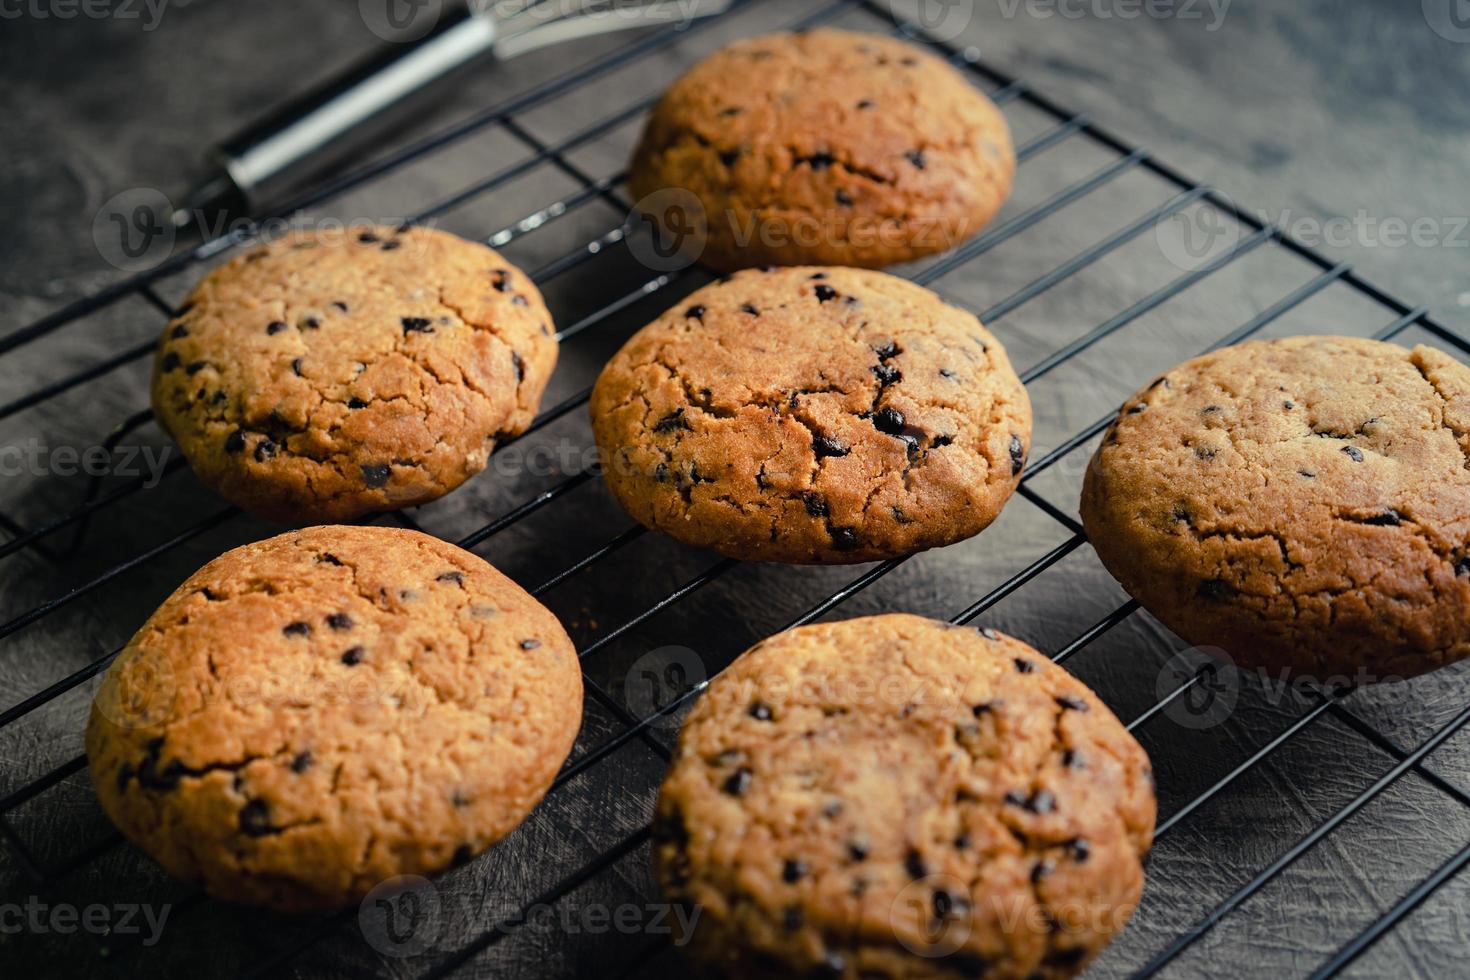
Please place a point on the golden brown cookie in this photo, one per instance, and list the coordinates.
(827, 147)
(813, 415)
(329, 375)
(308, 716)
(1303, 504)
(900, 797)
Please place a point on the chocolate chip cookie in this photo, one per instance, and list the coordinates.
(814, 416)
(308, 716)
(826, 147)
(1303, 504)
(899, 797)
(333, 374)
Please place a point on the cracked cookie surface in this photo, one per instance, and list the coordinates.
(828, 147)
(813, 415)
(310, 715)
(328, 375)
(899, 797)
(1302, 504)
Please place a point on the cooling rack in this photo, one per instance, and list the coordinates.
(71, 532)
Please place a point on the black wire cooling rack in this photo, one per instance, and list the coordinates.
(64, 536)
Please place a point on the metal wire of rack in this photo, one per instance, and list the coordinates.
(1003, 90)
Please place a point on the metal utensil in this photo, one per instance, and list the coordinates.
(344, 115)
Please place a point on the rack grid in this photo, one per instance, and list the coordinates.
(49, 540)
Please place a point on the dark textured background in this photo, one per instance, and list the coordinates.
(1307, 110)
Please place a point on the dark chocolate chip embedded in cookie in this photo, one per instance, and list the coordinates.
(854, 417)
(311, 715)
(833, 148)
(893, 797)
(1303, 504)
(325, 375)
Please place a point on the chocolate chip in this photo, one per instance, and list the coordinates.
(1308, 474)
(887, 374)
(792, 918)
(793, 871)
(255, 819)
(889, 420)
(1354, 453)
(760, 711)
(728, 157)
(917, 158)
(265, 449)
(1018, 455)
(844, 198)
(857, 850)
(297, 629)
(729, 111)
(887, 350)
(519, 364)
(828, 446)
(748, 308)
(943, 904)
(353, 657)
(1081, 850)
(962, 842)
(368, 238)
(390, 246)
(274, 327)
(737, 782)
(1072, 759)
(1041, 869)
(695, 312)
(456, 577)
(1288, 404)
(375, 474)
(825, 294)
(913, 863)
(1215, 589)
(866, 104)
(311, 323)
(832, 809)
(844, 538)
(983, 708)
(1042, 802)
(530, 644)
(339, 621)
(416, 324)
(1024, 666)
(1462, 567)
(832, 966)
(170, 362)
(356, 403)
(179, 332)
(946, 374)
(519, 300)
(235, 441)
(815, 505)
(1135, 409)
(673, 420)
(1070, 703)
(302, 763)
(296, 366)
(818, 161)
